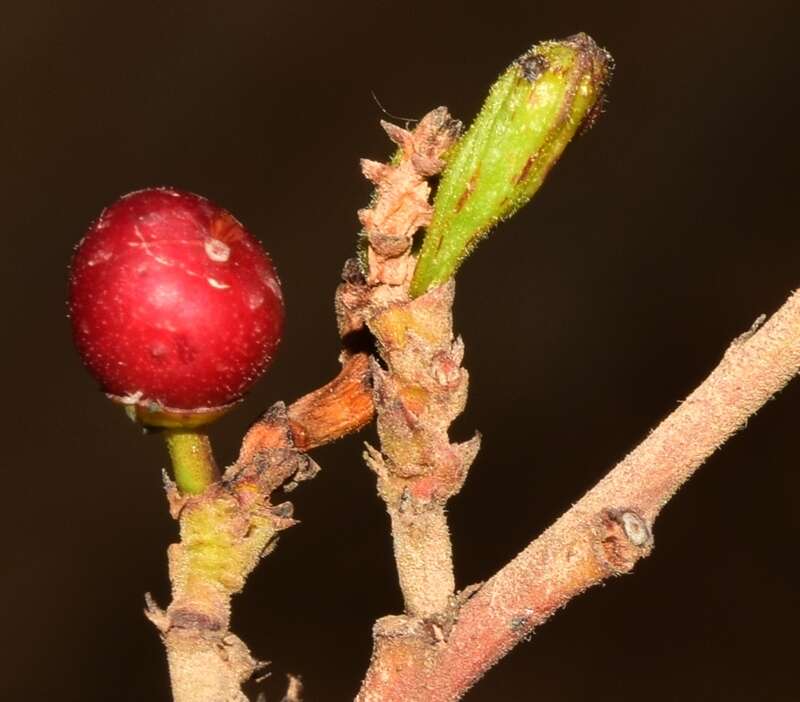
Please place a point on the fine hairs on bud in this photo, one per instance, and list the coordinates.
(532, 112)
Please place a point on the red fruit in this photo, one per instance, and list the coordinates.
(175, 307)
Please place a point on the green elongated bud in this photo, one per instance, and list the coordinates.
(532, 112)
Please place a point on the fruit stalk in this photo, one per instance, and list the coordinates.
(192, 460)
(230, 525)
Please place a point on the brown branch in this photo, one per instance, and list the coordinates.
(422, 390)
(341, 407)
(423, 387)
(604, 534)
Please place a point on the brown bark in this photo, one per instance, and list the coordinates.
(604, 534)
(341, 407)
(423, 387)
(422, 390)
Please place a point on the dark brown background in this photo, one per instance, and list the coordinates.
(662, 235)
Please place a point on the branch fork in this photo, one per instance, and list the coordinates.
(603, 535)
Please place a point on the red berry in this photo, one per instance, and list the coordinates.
(174, 305)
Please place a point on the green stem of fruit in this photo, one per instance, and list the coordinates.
(192, 460)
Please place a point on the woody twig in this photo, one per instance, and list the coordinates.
(422, 387)
(227, 529)
(602, 535)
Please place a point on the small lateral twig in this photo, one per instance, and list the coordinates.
(341, 407)
(603, 535)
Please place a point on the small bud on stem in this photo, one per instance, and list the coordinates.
(532, 112)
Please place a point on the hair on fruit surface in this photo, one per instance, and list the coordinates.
(176, 309)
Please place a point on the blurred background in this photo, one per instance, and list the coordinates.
(660, 237)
